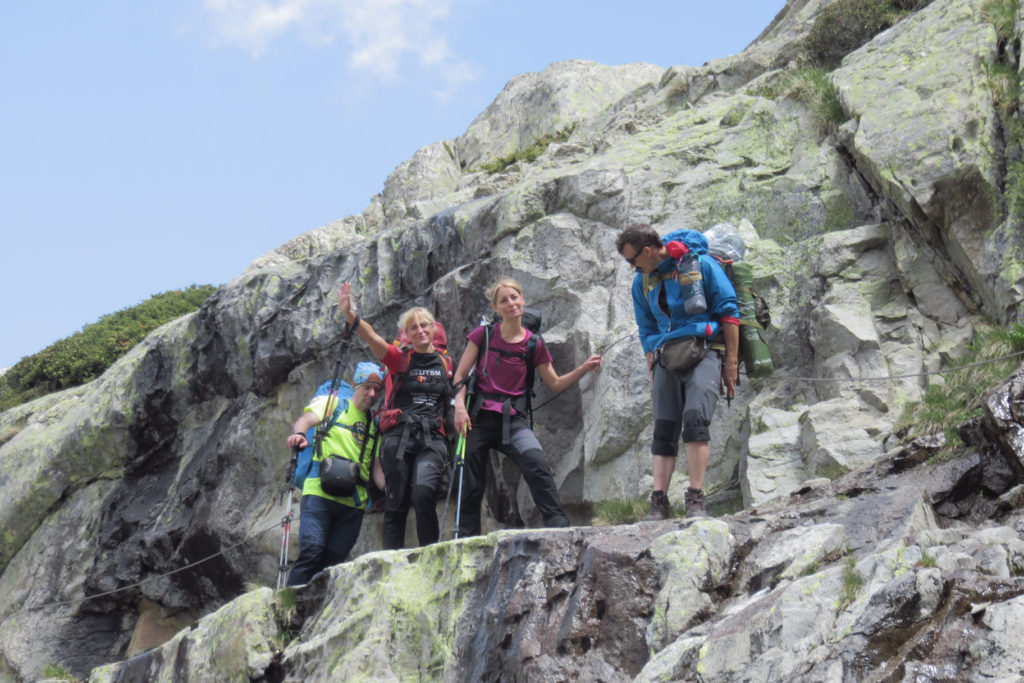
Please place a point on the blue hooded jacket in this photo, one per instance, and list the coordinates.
(657, 325)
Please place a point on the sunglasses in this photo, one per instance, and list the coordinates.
(631, 260)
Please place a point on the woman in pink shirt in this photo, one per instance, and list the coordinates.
(498, 419)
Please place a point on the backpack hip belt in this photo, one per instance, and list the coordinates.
(508, 402)
(428, 425)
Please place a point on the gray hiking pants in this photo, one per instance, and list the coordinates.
(685, 406)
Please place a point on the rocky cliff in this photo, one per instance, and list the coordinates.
(138, 511)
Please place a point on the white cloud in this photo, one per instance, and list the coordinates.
(381, 34)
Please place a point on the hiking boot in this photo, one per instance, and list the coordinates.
(694, 500)
(660, 508)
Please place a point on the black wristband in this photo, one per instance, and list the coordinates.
(351, 326)
(299, 434)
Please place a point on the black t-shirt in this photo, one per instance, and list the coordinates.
(424, 388)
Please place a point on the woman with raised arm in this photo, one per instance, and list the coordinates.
(499, 419)
(413, 450)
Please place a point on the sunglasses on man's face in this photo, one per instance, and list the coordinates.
(631, 260)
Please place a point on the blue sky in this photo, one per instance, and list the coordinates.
(146, 145)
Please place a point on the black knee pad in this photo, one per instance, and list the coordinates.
(666, 438)
(695, 428)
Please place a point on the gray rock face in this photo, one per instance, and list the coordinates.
(159, 487)
(533, 105)
(837, 583)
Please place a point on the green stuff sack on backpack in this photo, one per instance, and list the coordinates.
(754, 318)
(726, 245)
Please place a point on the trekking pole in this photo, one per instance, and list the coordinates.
(457, 463)
(286, 522)
(460, 454)
(448, 497)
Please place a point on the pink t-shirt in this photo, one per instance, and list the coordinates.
(504, 374)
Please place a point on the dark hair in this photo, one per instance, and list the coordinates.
(638, 235)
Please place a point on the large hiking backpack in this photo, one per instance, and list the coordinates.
(305, 466)
(533, 321)
(726, 245)
(754, 314)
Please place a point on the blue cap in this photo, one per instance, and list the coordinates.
(365, 371)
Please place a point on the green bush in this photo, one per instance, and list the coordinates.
(846, 25)
(85, 355)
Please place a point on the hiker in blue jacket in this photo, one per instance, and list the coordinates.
(329, 525)
(685, 309)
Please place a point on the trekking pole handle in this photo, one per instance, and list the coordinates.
(292, 465)
(290, 474)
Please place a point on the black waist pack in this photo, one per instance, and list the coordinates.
(338, 476)
(679, 356)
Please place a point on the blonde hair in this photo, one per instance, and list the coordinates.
(414, 315)
(492, 291)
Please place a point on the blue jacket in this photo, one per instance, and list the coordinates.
(656, 325)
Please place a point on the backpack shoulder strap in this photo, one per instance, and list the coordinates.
(336, 416)
(397, 378)
(482, 359)
(449, 366)
(531, 371)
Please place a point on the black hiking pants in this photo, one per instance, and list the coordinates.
(524, 450)
(412, 479)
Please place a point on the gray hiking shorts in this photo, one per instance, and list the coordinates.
(685, 406)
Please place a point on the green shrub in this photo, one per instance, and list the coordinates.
(846, 25)
(910, 5)
(85, 355)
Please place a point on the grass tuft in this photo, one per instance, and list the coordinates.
(58, 672)
(1002, 14)
(617, 511)
(529, 154)
(852, 583)
(950, 403)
